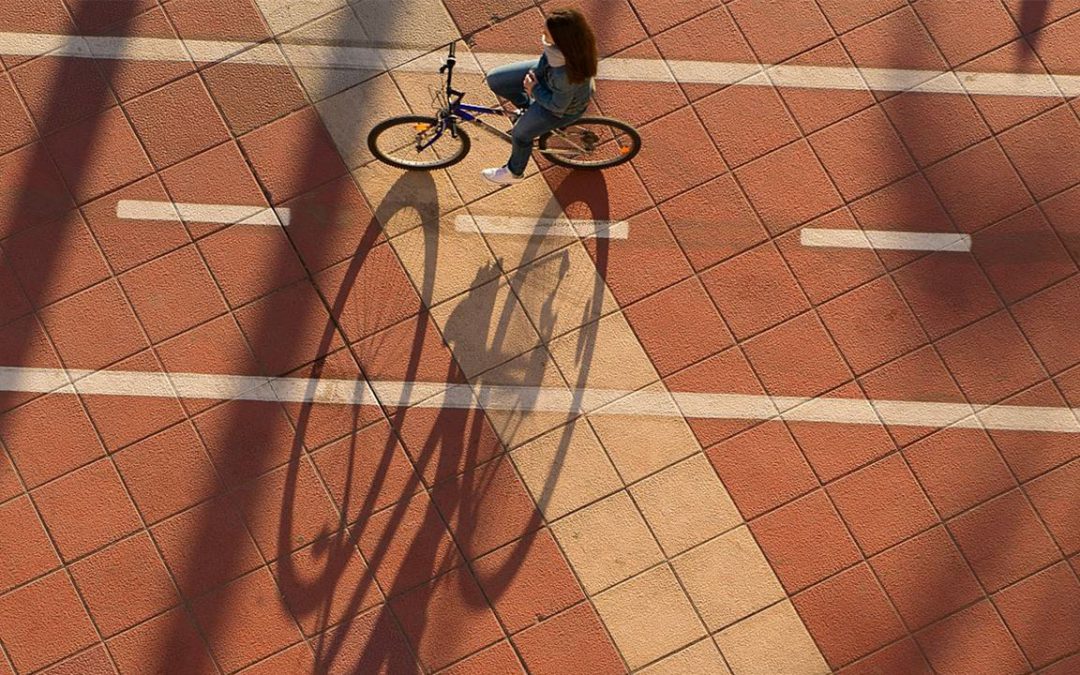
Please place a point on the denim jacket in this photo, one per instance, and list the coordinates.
(556, 93)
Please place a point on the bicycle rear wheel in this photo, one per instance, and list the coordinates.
(417, 142)
(591, 143)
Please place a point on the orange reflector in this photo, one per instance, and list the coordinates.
(422, 127)
(624, 150)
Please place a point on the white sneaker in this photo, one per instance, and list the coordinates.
(501, 176)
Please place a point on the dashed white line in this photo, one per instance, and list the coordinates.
(538, 399)
(543, 227)
(134, 209)
(643, 70)
(883, 239)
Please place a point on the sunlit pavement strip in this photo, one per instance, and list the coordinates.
(880, 239)
(543, 227)
(133, 209)
(645, 70)
(537, 399)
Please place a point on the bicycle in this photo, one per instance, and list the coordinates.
(435, 142)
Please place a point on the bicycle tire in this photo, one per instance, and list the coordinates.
(382, 127)
(631, 132)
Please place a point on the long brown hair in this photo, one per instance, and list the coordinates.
(575, 39)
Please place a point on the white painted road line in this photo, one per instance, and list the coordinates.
(229, 214)
(882, 239)
(536, 399)
(642, 70)
(543, 227)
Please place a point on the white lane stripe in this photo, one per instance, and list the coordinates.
(883, 239)
(134, 209)
(543, 227)
(644, 70)
(536, 399)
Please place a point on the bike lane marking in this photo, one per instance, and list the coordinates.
(228, 214)
(880, 239)
(543, 227)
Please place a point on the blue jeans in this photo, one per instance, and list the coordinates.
(506, 81)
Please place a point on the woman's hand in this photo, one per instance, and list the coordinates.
(529, 82)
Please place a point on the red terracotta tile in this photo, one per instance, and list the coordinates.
(486, 507)
(697, 215)
(170, 638)
(663, 322)
(445, 442)
(755, 291)
(54, 421)
(727, 372)
(368, 293)
(990, 359)
(505, 22)
(132, 77)
(34, 554)
(569, 641)
(862, 153)
(777, 30)
(299, 658)
(206, 20)
(762, 468)
(896, 40)
(134, 566)
(972, 641)
(1045, 320)
(836, 449)
(94, 328)
(712, 36)
(899, 657)
(1003, 540)
(43, 622)
(1002, 112)
(788, 187)
(1022, 255)
(407, 544)
(849, 615)
(18, 130)
(946, 291)
(642, 264)
(331, 223)
(845, 15)
(926, 578)
(13, 302)
(249, 263)
(220, 175)
(55, 259)
(1039, 148)
(679, 156)
(908, 205)
(326, 583)
(446, 619)
(1030, 453)
(410, 350)
(86, 509)
(746, 122)
(935, 126)
(122, 420)
(245, 620)
(805, 541)
(205, 547)
(613, 194)
(1031, 18)
(58, 92)
(177, 121)
(117, 158)
(868, 343)
(1063, 667)
(94, 661)
(962, 35)
(1053, 43)
(499, 658)
(173, 293)
(371, 643)
(978, 186)
(42, 195)
(882, 504)
(366, 472)
(527, 581)
(820, 366)
(1054, 498)
(958, 468)
(814, 109)
(823, 272)
(293, 155)
(1027, 605)
(620, 99)
(94, 18)
(250, 95)
(150, 469)
(1059, 209)
(10, 483)
(246, 438)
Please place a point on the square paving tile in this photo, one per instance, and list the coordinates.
(1024, 606)
(1023, 254)
(821, 367)
(903, 656)
(909, 204)
(700, 657)
(862, 153)
(58, 92)
(1037, 148)
(771, 641)
(844, 15)
(246, 439)
(605, 355)
(48, 606)
(56, 421)
(35, 554)
(712, 36)
(958, 468)
(824, 273)
(727, 372)
(777, 31)
(1052, 496)
(177, 121)
(946, 291)
(1058, 210)
(961, 35)
(788, 187)
(896, 40)
(978, 186)
(990, 359)
(934, 126)
(1030, 453)
(173, 293)
(970, 640)
(572, 639)
(746, 122)
(679, 156)
(55, 260)
(1044, 320)
(18, 129)
(815, 109)
(186, 649)
(1002, 112)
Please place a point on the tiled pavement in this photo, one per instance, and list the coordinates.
(181, 534)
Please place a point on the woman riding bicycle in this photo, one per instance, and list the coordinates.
(560, 84)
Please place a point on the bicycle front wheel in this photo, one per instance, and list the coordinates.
(417, 142)
(591, 143)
